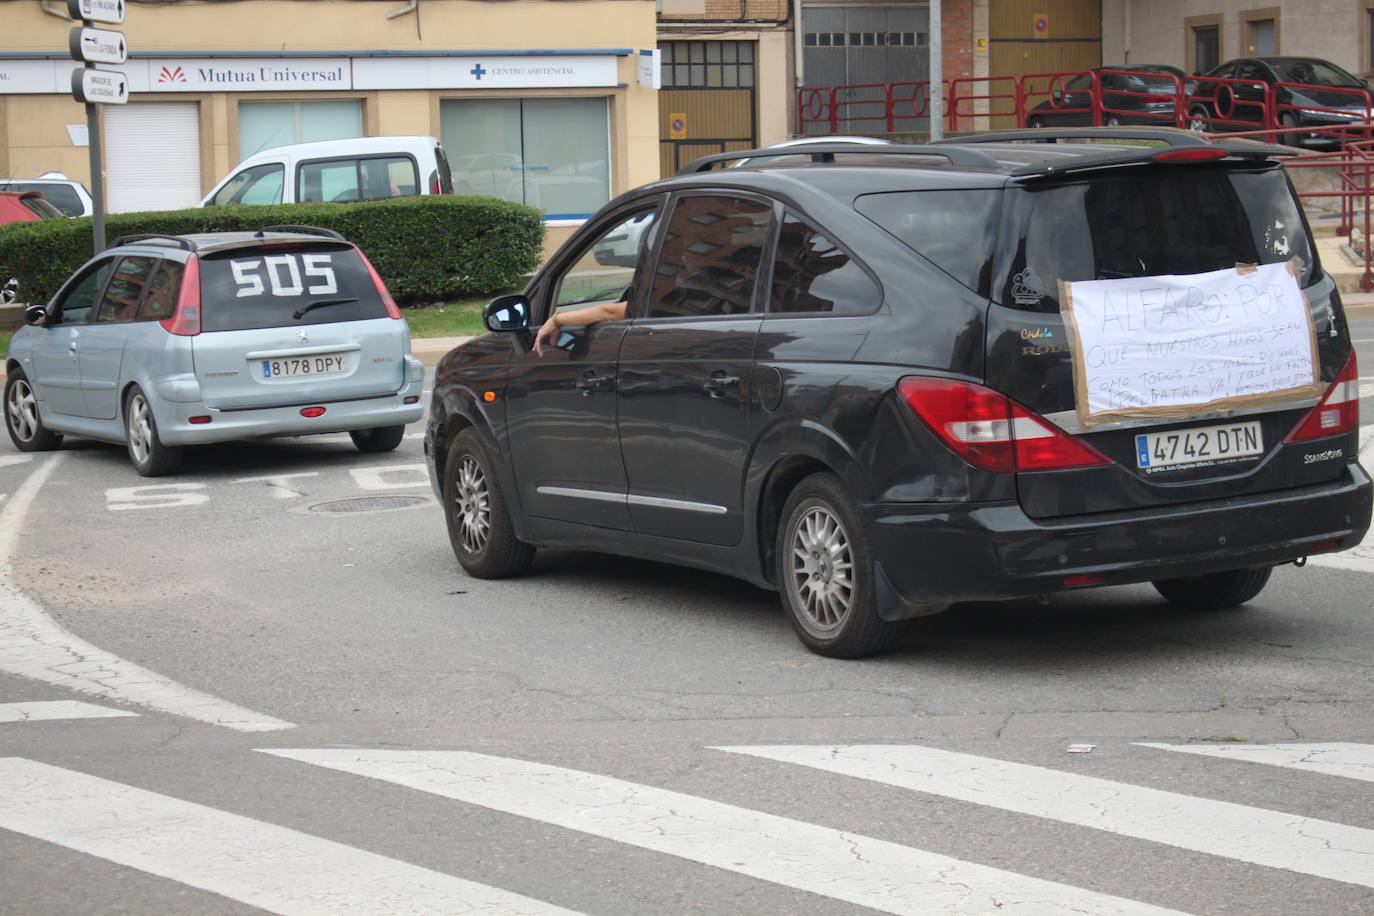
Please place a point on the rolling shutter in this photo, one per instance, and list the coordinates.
(152, 156)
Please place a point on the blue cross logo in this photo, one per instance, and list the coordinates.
(477, 71)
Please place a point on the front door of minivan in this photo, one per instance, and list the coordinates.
(561, 406)
(686, 371)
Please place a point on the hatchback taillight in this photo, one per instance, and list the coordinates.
(185, 321)
(991, 431)
(392, 310)
(1337, 412)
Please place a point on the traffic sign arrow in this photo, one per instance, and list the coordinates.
(110, 11)
(105, 87)
(98, 46)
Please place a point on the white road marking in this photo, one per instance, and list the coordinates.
(831, 863)
(391, 477)
(7, 460)
(1261, 837)
(1352, 761)
(156, 496)
(34, 645)
(49, 710)
(260, 864)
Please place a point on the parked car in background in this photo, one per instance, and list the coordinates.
(26, 207)
(845, 375)
(160, 342)
(67, 195)
(341, 171)
(1145, 95)
(1327, 96)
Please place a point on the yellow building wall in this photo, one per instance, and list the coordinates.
(34, 139)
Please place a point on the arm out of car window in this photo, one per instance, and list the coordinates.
(606, 311)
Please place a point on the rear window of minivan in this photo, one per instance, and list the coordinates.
(285, 286)
(1141, 223)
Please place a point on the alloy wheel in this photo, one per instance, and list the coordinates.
(140, 428)
(22, 408)
(472, 505)
(821, 571)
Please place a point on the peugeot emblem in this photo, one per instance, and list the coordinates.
(302, 337)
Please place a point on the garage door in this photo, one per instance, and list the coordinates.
(152, 156)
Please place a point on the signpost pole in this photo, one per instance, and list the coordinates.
(97, 178)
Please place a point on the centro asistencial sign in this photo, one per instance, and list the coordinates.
(96, 87)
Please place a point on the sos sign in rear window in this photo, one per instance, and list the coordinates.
(285, 286)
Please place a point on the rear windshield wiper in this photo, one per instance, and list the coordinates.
(320, 303)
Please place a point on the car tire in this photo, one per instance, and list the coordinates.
(825, 572)
(22, 419)
(379, 439)
(1197, 119)
(1215, 591)
(150, 457)
(479, 525)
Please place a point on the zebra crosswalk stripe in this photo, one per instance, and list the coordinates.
(1352, 761)
(46, 710)
(1258, 836)
(263, 865)
(832, 863)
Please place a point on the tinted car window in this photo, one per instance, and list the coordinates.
(813, 274)
(270, 286)
(124, 290)
(160, 298)
(1195, 221)
(952, 229)
(74, 307)
(61, 196)
(710, 258)
(1315, 73)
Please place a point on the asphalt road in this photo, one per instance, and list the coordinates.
(306, 706)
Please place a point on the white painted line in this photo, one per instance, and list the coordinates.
(831, 863)
(8, 460)
(263, 865)
(1351, 761)
(1261, 837)
(34, 645)
(49, 710)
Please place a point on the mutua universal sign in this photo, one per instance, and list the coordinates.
(248, 75)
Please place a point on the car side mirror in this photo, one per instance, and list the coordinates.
(10, 291)
(507, 313)
(36, 315)
(1057, 95)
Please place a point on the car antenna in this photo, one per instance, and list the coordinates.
(262, 230)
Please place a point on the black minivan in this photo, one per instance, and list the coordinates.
(847, 374)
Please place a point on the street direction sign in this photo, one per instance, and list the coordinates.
(105, 87)
(109, 11)
(98, 46)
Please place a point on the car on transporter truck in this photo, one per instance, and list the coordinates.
(844, 375)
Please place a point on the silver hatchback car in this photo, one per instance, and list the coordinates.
(162, 341)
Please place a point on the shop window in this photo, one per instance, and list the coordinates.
(552, 153)
(264, 125)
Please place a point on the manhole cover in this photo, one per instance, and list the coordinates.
(369, 504)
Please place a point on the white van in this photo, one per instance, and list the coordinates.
(360, 168)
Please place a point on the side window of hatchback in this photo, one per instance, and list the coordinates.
(160, 300)
(125, 290)
(75, 305)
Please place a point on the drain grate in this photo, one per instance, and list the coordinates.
(370, 503)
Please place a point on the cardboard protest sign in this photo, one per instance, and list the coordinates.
(1186, 345)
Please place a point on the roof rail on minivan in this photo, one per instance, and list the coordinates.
(304, 230)
(1171, 135)
(826, 152)
(159, 237)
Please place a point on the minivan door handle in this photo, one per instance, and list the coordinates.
(719, 382)
(589, 383)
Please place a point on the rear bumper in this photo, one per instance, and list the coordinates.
(933, 554)
(175, 427)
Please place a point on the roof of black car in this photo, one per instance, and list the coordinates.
(1022, 155)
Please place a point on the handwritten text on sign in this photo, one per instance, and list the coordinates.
(1184, 345)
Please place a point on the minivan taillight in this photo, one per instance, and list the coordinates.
(991, 431)
(1337, 412)
(185, 321)
(392, 310)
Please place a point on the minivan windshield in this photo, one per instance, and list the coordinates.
(286, 286)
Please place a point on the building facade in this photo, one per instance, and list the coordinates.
(535, 100)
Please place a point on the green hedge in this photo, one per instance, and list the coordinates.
(427, 249)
